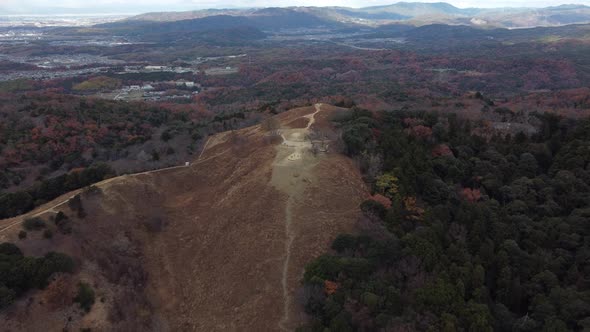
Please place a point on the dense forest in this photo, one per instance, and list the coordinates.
(463, 233)
(46, 137)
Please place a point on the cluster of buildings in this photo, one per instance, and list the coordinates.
(158, 91)
(50, 74)
(155, 69)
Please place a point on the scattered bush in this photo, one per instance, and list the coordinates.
(92, 190)
(85, 296)
(48, 234)
(22, 235)
(59, 217)
(76, 205)
(33, 224)
(20, 273)
(63, 223)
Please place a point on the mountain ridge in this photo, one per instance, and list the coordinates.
(415, 13)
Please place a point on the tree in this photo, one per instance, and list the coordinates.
(344, 242)
(48, 234)
(85, 296)
(13, 204)
(356, 137)
(7, 296)
(75, 203)
(36, 223)
(271, 126)
(528, 165)
(508, 256)
(387, 184)
(373, 208)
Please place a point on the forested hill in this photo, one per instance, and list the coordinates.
(465, 232)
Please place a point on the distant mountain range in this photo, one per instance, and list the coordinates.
(425, 23)
(410, 13)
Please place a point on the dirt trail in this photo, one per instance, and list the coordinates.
(290, 237)
(297, 165)
(65, 198)
(220, 245)
(317, 188)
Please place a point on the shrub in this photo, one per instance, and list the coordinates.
(63, 223)
(22, 235)
(48, 234)
(35, 223)
(59, 217)
(20, 273)
(75, 203)
(10, 249)
(85, 296)
(155, 156)
(45, 267)
(344, 242)
(60, 262)
(92, 190)
(324, 267)
(375, 208)
(7, 296)
(370, 300)
(166, 136)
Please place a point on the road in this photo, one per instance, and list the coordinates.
(361, 48)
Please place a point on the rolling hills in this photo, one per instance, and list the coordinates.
(414, 13)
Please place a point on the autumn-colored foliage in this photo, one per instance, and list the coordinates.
(386, 202)
(414, 211)
(420, 131)
(442, 150)
(471, 195)
(387, 184)
(330, 287)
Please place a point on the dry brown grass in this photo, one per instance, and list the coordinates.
(217, 259)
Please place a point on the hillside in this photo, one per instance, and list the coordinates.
(415, 13)
(468, 230)
(219, 245)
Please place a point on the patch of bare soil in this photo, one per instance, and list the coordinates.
(298, 123)
(217, 246)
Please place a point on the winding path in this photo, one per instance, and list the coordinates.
(15, 221)
(298, 147)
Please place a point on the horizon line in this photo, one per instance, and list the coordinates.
(76, 11)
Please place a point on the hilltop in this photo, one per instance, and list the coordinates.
(218, 245)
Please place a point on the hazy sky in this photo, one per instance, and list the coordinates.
(137, 6)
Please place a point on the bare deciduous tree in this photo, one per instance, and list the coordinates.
(271, 125)
(319, 140)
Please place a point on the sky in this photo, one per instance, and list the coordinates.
(140, 6)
